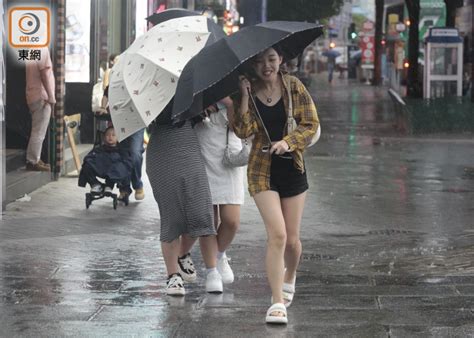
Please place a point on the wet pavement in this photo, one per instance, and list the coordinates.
(388, 246)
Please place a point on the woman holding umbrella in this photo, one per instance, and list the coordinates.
(276, 171)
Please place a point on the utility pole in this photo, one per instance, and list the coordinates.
(414, 86)
(379, 5)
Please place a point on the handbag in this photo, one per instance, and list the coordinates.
(97, 95)
(235, 159)
(291, 122)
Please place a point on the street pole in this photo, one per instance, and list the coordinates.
(472, 61)
(379, 5)
(264, 11)
(413, 85)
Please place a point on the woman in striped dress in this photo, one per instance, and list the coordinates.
(180, 186)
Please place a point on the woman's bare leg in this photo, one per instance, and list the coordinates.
(186, 244)
(208, 246)
(292, 208)
(268, 203)
(170, 255)
(230, 221)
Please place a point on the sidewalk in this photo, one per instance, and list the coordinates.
(387, 246)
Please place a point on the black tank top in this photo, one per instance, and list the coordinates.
(274, 118)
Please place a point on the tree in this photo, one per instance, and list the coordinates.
(413, 84)
(302, 10)
(379, 5)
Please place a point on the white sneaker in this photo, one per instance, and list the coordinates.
(214, 282)
(175, 286)
(96, 189)
(108, 190)
(186, 268)
(224, 269)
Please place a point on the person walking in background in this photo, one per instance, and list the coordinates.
(132, 144)
(40, 87)
(113, 59)
(177, 174)
(226, 183)
(331, 54)
(276, 171)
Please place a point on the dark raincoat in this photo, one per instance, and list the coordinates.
(109, 163)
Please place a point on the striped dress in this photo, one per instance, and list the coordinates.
(176, 171)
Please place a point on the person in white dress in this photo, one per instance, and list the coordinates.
(226, 184)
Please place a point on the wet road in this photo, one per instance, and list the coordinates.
(387, 238)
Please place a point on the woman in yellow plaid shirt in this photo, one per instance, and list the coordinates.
(276, 172)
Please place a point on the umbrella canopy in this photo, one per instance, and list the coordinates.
(144, 80)
(331, 53)
(213, 73)
(172, 13)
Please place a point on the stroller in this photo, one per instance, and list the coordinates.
(106, 162)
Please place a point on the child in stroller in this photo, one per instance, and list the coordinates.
(107, 162)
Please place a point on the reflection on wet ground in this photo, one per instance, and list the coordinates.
(387, 235)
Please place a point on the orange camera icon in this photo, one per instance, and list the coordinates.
(29, 27)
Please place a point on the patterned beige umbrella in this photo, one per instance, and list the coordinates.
(144, 80)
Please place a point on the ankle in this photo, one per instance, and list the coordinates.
(210, 270)
(220, 254)
(177, 274)
(183, 256)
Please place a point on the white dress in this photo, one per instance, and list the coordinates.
(227, 184)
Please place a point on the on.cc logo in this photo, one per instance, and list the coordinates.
(29, 27)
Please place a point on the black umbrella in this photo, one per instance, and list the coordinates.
(173, 13)
(213, 73)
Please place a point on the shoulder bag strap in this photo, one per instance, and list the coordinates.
(290, 100)
(227, 136)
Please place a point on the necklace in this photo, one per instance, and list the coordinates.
(269, 98)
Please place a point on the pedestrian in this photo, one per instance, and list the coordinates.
(40, 98)
(113, 59)
(107, 162)
(276, 171)
(177, 174)
(132, 145)
(226, 183)
(331, 63)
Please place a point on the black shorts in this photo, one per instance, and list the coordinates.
(285, 179)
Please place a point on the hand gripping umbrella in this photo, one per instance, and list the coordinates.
(144, 80)
(213, 73)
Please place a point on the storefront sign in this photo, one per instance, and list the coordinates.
(444, 32)
(368, 49)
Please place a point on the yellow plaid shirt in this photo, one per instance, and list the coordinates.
(246, 125)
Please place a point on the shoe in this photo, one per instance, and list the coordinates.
(276, 314)
(37, 167)
(175, 285)
(123, 195)
(139, 194)
(186, 268)
(289, 292)
(108, 190)
(96, 189)
(44, 164)
(224, 269)
(214, 282)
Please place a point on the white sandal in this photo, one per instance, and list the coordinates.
(288, 293)
(271, 318)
